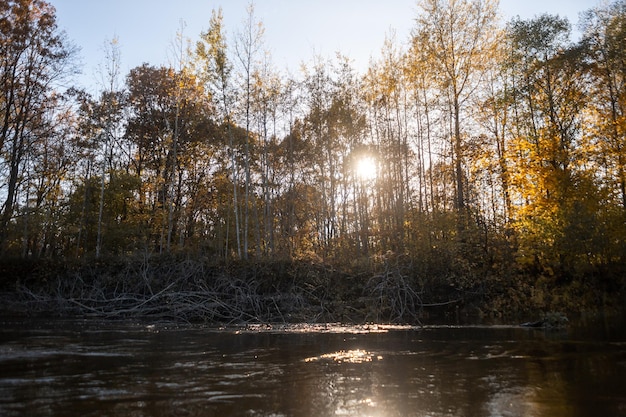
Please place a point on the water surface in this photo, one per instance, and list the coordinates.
(89, 368)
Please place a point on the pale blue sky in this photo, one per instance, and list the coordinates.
(295, 30)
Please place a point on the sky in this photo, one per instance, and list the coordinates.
(295, 30)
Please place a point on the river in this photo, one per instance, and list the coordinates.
(92, 368)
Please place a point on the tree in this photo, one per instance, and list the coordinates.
(48, 168)
(215, 72)
(347, 134)
(34, 55)
(387, 95)
(317, 87)
(495, 116)
(248, 45)
(604, 38)
(459, 37)
(554, 193)
(112, 105)
(170, 120)
(152, 114)
(266, 94)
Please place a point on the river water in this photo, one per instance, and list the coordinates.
(90, 368)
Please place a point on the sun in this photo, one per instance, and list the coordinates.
(366, 168)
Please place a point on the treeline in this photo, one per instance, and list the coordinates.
(495, 150)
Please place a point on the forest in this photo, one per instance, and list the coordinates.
(477, 168)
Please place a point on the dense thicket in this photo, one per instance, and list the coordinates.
(495, 152)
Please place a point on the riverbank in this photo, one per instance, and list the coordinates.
(202, 290)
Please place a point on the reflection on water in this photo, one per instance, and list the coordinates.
(349, 356)
(60, 368)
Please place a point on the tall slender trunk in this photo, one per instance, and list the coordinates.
(101, 204)
(458, 156)
(235, 179)
(173, 170)
(18, 144)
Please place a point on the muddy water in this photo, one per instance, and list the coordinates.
(88, 368)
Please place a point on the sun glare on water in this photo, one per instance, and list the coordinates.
(366, 168)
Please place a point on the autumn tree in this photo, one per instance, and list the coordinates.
(48, 167)
(296, 205)
(604, 38)
(495, 116)
(347, 128)
(386, 90)
(109, 126)
(554, 192)
(161, 126)
(215, 72)
(266, 95)
(248, 45)
(317, 93)
(34, 57)
(459, 37)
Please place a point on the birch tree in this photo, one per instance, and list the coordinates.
(459, 37)
(248, 46)
(215, 70)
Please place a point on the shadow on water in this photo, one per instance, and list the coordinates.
(60, 368)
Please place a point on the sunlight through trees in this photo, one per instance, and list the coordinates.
(477, 150)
